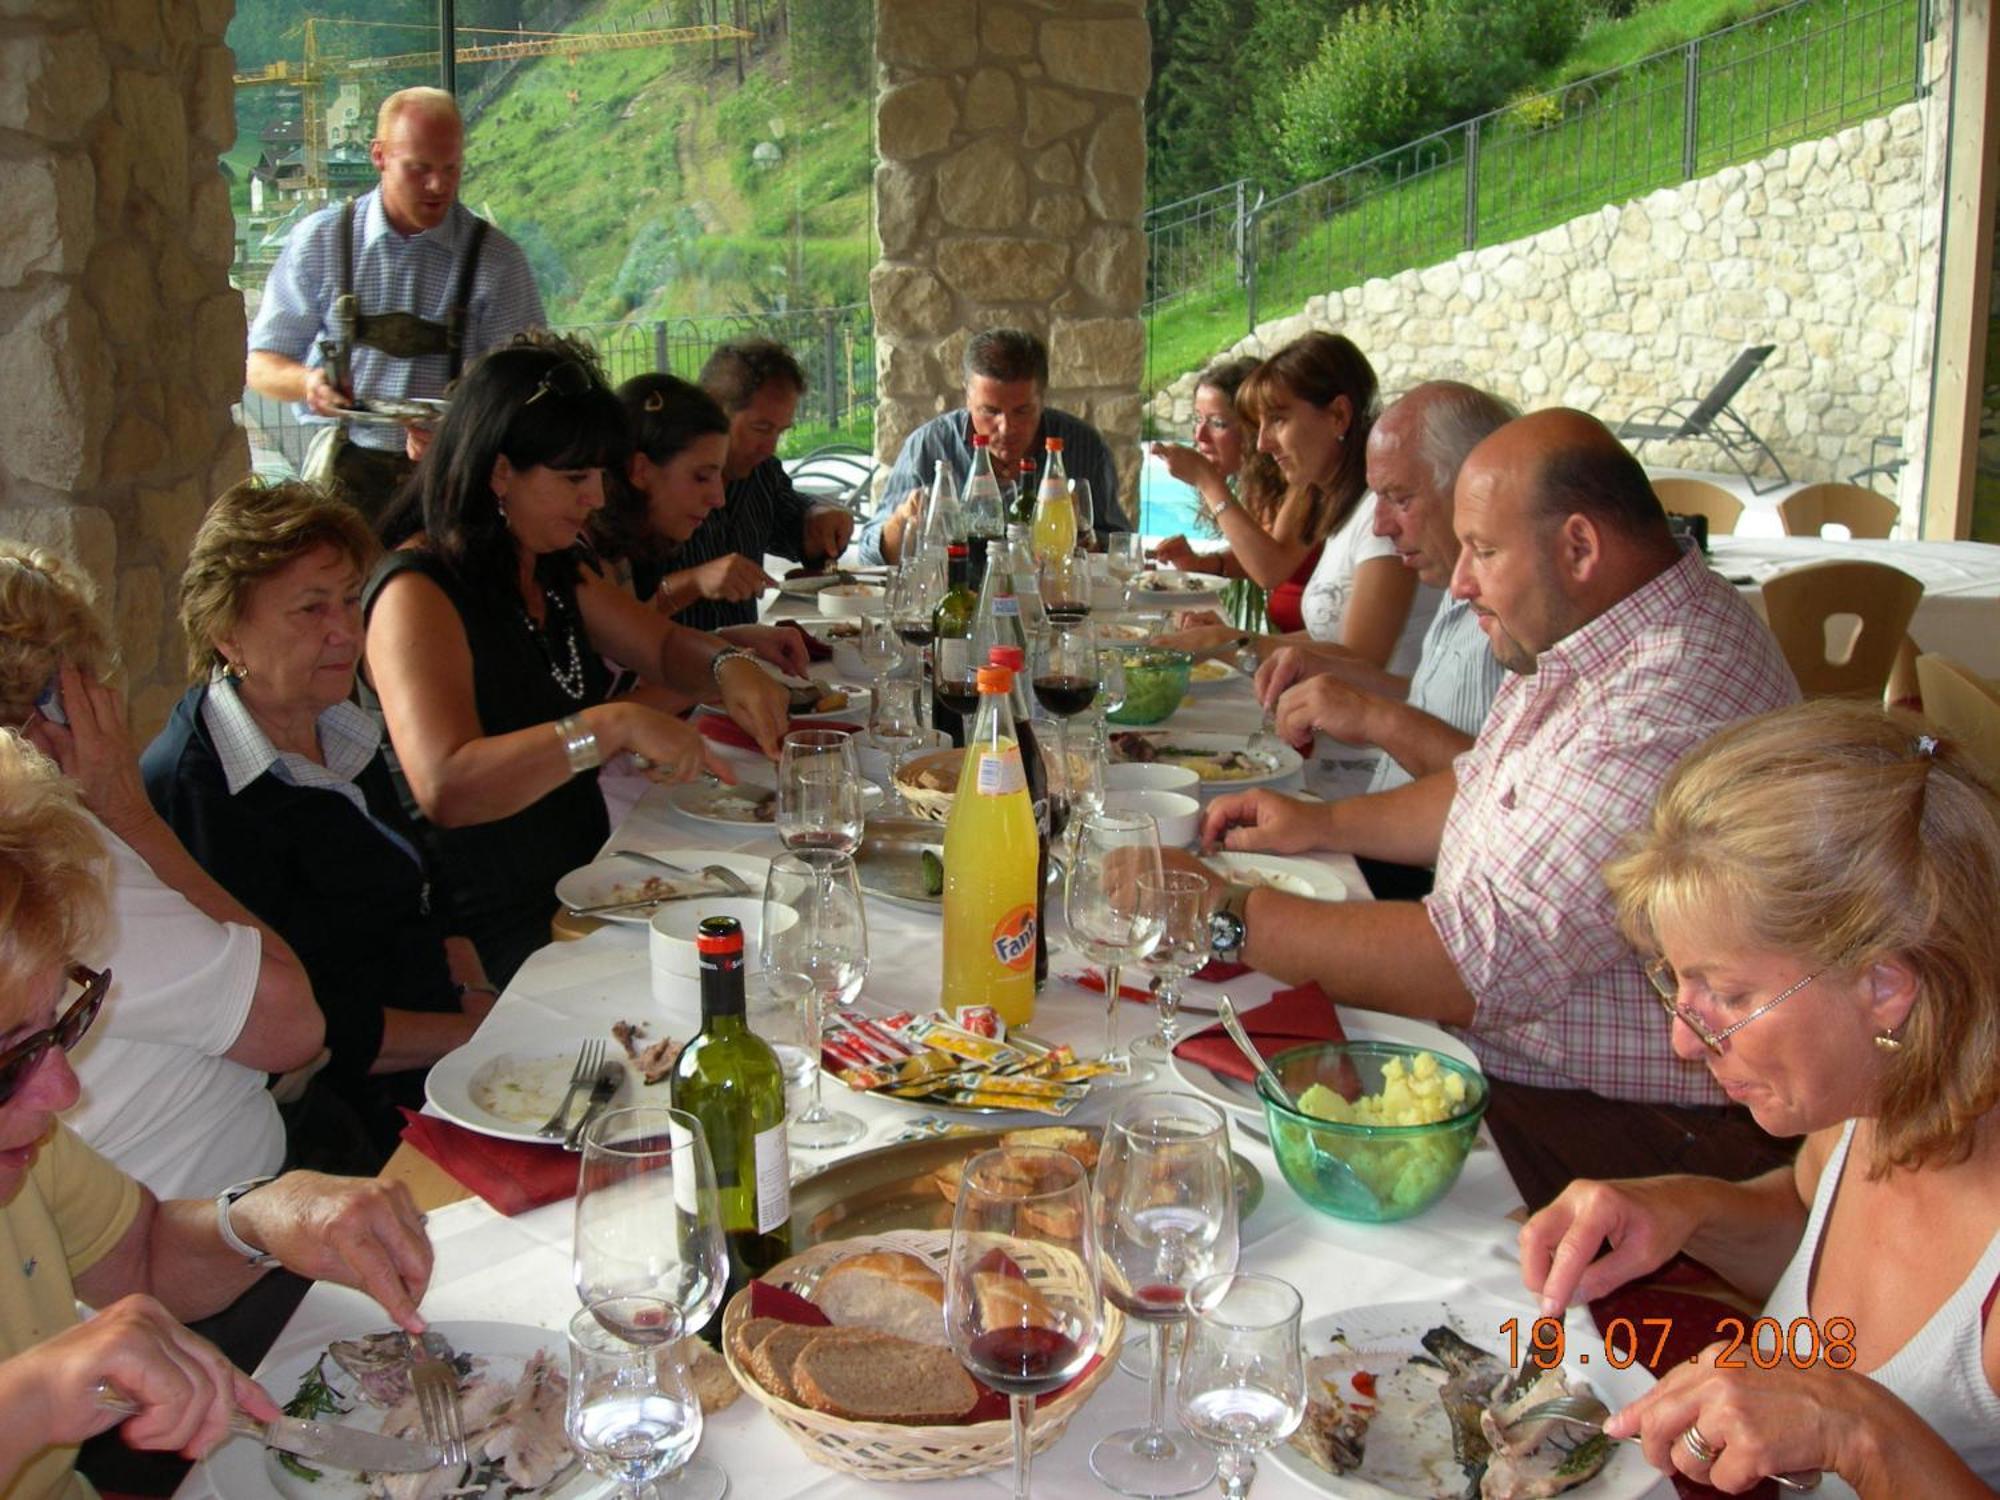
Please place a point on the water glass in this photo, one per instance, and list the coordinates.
(630, 1413)
(898, 722)
(1185, 901)
(1109, 915)
(822, 959)
(1243, 1374)
(819, 791)
(879, 649)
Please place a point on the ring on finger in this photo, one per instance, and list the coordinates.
(1698, 1447)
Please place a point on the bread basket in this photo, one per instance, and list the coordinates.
(929, 802)
(893, 1450)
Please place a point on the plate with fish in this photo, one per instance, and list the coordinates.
(1415, 1400)
(1169, 586)
(512, 1384)
(1222, 761)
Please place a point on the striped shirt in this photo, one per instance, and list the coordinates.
(1456, 678)
(761, 514)
(349, 738)
(949, 437)
(393, 272)
(1568, 762)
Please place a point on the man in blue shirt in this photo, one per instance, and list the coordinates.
(432, 288)
(1006, 377)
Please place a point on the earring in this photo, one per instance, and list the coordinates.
(234, 671)
(1889, 1043)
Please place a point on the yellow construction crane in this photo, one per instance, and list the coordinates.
(314, 70)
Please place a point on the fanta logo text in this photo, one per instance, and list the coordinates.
(1014, 938)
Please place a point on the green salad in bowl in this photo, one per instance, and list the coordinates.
(1156, 679)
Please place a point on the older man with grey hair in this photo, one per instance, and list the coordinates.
(1006, 378)
(1419, 723)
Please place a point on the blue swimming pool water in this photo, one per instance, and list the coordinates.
(1166, 506)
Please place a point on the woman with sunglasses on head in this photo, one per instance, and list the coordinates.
(210, 1000)
(1818, 884)
(488, 636)
(74, 1229)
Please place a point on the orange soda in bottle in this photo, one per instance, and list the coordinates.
(990, 861)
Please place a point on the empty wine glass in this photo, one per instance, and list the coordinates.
(879, 649)
(815, 945)
(1125, 555)
(1164, 1202)
(1185, 901)
(819, 791)
(898, 722)
(1086, 515)
(1023, 1209)
(630, 1414)
(1243, 1375)
(1109, 915)
(777, 1012)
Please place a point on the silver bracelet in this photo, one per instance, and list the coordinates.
(224, 1200)
(727, 653)
(579, 742)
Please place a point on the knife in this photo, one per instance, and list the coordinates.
(608, 1078)
(330, 1443)
(707, 888)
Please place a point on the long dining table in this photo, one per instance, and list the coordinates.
(489, 1268)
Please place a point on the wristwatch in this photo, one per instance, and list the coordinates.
(1227, 926)
(224, 1201)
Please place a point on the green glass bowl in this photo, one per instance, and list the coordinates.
(1156, 679)
(1374, 1174)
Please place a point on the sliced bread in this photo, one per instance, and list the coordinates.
(888, 1291)
(883, 1379)
(749, 1334)
(771, 1360)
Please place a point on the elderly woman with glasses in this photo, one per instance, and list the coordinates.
(74, 1229)
(277, 783)
(1819, 885)
(488, 636)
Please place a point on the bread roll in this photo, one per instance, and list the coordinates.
(887, 1291)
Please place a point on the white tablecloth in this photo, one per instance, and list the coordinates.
(517, 1270)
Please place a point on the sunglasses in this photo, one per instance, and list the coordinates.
(1667, 985)
(19, 1060)
(567, 380)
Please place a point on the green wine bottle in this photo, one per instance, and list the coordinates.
(729, 1079)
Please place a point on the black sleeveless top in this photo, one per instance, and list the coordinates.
(500, 877)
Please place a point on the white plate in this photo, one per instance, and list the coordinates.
(1413, 1458)
(612, 876)
(1297, 877)
(1288, 761)
(723, 806)
(1220, 676)
(1240, 1098)
(1165, 586)
(532, 1068)
(242, 1470)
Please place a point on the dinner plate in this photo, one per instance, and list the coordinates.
(1297, 877)
(1407, 1451)
(737, 806)
(1174, 589)
(1212, 676)
(1285, 761)
(808, 584)
(617, 877)
(1241, 1100)
(244, 1470)
(505, 1083)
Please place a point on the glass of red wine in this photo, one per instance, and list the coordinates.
(1022, 1301)
(913, 597)
(820, 803)
(953, 679)
(1164, 1206)
(1065, 585)
(1066, 673)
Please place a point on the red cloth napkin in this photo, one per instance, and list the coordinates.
(511, 1175)
(1290, 1018)
(726, 731)
(1218, 971)
(1215, 971)
(816, 649)
(767, 1301)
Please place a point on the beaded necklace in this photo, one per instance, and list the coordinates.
(568, 677)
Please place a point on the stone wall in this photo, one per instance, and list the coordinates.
(1010, 190)
(1821, 249)
(121, 342)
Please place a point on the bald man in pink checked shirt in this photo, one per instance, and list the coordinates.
(1624, 652)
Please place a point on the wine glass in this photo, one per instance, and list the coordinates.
(898, 723)
(1065, 586)
(819, 791)
(1185, 902)
(1086, 516)
(954, 680)
(1243, 1375)
(815, 946)
(1108, 912)
(1023, 1210)
(630, 1414)
(777, 1013)
(879, 649)
(1066, 675)
(1165, 1208)
(648, 1236)
(913, 595)
(1125, 554)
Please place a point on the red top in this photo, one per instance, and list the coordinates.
(1284, 606)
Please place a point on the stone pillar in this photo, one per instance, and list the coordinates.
(1010, 192)
(121, 341)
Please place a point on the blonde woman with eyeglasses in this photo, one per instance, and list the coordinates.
(1819, 885)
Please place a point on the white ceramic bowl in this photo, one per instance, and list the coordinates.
(848, 601)
(1178, 815)
(671, 933)
(1142, 777)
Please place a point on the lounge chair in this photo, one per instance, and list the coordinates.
(1711, 419)
(840, 473)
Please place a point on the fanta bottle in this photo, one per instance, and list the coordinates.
(989, 866)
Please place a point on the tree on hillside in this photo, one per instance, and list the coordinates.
(1197, 96)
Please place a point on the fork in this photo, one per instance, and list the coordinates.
(1588, 1411)
(435, 1385)
(589, 1060)
(722, 875)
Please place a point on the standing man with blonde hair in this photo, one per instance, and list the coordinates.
(388, 297)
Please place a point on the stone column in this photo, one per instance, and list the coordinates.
(121, 341)
(1010, 193)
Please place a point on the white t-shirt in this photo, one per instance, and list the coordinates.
(159, 1098)
(1335, 769)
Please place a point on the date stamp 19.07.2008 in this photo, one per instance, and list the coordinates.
(1765, 1343)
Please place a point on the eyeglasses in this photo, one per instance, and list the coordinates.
(19, 1060)
(567, 379)
(1667, 984)
(1217, 425)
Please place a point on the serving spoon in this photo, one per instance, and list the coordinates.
(1339, 1168)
